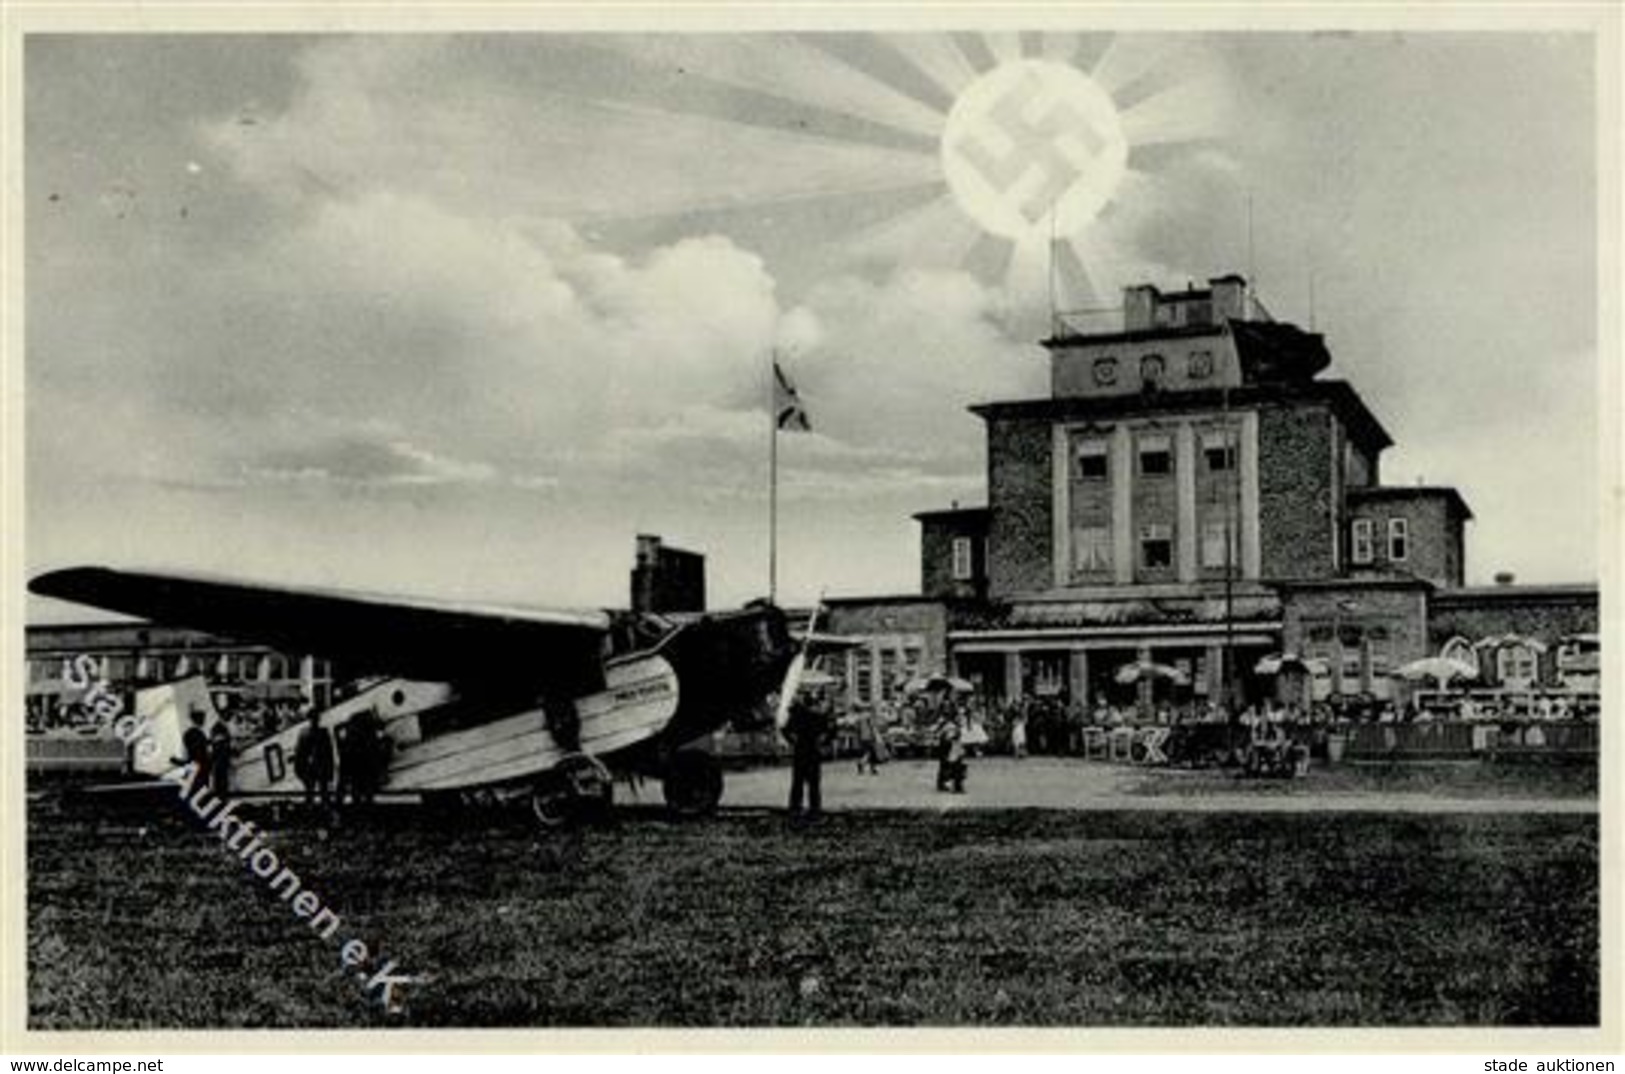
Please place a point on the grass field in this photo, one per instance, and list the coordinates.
(1453, 779)
(976, 918)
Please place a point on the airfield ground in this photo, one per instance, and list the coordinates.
(1131, 907)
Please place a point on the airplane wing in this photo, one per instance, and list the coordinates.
(486, 646)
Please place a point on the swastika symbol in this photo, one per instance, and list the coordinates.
(1036, 142)
(1033, 146)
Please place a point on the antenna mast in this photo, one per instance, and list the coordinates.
(1252, 272)
(1054, 308)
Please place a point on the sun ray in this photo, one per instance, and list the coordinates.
(974, 49)
(675, 168)
(1059, 47)
(936, 57)
(1103, 270)
(1189, 111)
(1026, 284)
(1129, 57)
(782, 66)
(1005, 46)
(1073, 288)
(935, 234)
(667, 161)
(1141, 194)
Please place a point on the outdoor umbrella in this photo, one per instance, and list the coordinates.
(1440, 668)
(1276, 662)
(1135, 672)
(935, 683)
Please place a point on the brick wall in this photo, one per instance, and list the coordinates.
(890, 630)
(1189, 363)
(1398, 616)
(1376, 631)
(1022, 507)
(1543, 615)
(1435, 541)
(937, 536)
(1546, 615)
(926, 618)
(1295, 494)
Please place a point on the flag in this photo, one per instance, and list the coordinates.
(789, 413)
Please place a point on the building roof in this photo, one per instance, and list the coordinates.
(1274, 350)
(947, 514)
(1338, 394)
(1140, 612)
(1413, 492)
(1486, 594)
(1137, 335)
(884, 598)
(1359, 582)
(126, 634)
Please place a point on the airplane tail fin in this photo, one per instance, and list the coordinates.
(166, 712)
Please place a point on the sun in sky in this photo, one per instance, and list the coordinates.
(1026, 157)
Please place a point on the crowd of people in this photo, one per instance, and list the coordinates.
(344, 765)
(1054, 727)
(246, 719)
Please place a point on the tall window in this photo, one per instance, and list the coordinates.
(1091, 549)
(1156, 456)
(859, 666)
(962, 559)
(1362, 551)
(1092, 460)
(1219, 452)
(1399, 540)
(1517, 666)
(1156, 547)
(1219, 548)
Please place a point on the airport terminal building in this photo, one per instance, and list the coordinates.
(1192, 505)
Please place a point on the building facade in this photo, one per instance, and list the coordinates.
(129, 656)
(1193, 514)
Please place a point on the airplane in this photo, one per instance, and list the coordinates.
(476, 698)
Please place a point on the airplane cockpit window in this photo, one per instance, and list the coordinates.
(633, 632)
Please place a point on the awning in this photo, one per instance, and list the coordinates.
(1275, 663)
(1135, 672)
(1500, 641)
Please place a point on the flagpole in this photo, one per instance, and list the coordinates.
(772, 477)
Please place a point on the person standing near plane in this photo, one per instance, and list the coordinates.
(313, 760)
(806, 729)
(195, 744)
(220, 760)
(364, 754)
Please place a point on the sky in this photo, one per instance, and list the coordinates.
(459, 316)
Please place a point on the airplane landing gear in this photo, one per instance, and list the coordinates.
(578, 789)
(693, 784)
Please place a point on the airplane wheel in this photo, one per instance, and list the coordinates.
(693, 784)
(578, 789)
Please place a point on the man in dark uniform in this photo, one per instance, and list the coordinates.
(195, 743)
(364, 752)
(220, 759)
(807, 727)
(313, 760)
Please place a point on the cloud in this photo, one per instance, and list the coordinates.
(386, 342)
(360, 461)
(900, 360)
